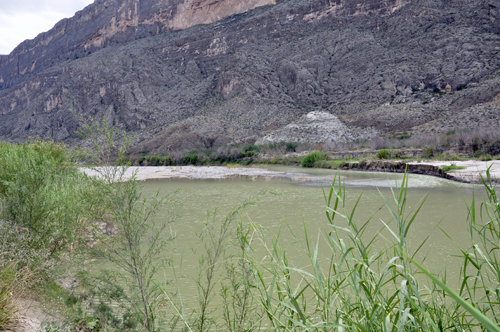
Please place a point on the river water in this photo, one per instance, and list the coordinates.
(302, 202)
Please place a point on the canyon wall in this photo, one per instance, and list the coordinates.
(204, 73)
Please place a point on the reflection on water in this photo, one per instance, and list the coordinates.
(303, 202)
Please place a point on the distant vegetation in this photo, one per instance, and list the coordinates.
(454, 145)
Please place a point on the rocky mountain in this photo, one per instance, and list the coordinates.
(203, 73)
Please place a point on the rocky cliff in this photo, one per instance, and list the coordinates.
(202, 73)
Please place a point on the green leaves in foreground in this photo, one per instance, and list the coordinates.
(363, 288)
(485, 321)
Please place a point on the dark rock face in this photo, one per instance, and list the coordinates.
(394, 65)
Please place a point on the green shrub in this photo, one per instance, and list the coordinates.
(185, 160)
(429, 152)
(155, 161)
(311, 158)
(291, 146)
(43, 192)
(322, 163)
(384, 154)
(247, 154)
(251, 148)
(168, 161)
(485, 157)
(451, 168)
(451, 132)
(194, 159)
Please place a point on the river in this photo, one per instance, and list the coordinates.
(302, 202)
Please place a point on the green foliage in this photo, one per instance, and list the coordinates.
(194, 159)
(136, 252)
(309, 159)
(451, 168)
(429, 152)
(403, 136)
(291, 146)
(481, 268)
(7, 307)
(485, 157)
(44, 197)
(251, 148)
(451, 132)
(109, 143)
(363, 289)
(384, 154)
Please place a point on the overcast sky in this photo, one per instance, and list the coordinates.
(25, 19)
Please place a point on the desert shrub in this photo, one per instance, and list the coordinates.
(251, 147)
(323, 164)
(194, 159)
(44, 195)
(311, 158)
(429, 152)
(155, 161)
(485, 157)
(384, 154)
(291, 146)
(247, 154)
(185, 160)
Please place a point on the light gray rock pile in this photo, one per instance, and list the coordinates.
(315, 127)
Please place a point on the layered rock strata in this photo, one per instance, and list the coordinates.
(178, 75)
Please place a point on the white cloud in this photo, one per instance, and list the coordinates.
(25, 19)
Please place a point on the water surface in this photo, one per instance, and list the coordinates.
(302, 202)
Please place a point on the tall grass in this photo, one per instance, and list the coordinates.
(361, 288)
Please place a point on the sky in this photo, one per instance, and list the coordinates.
(25, 19)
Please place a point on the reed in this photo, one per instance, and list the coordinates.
(361, 288)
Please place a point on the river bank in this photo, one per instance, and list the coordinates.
(468, 171)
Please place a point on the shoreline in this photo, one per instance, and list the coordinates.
(472, 172)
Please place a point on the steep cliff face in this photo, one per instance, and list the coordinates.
(382, 65)
(110, 21)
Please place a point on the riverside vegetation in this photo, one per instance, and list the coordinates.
(55, 221)
(453, 145)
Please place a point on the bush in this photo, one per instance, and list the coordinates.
(384, 154)
(194, 159)
(185, 160)
(429, 152)
(291, 146)
(44, 194)
(251, 147)
(311, 158)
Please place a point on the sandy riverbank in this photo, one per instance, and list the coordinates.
(471, 173)
(473, 170)
(204, 172)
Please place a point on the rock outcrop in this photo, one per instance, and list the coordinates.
(203, 73)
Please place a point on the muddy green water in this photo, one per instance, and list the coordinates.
(303, 202)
